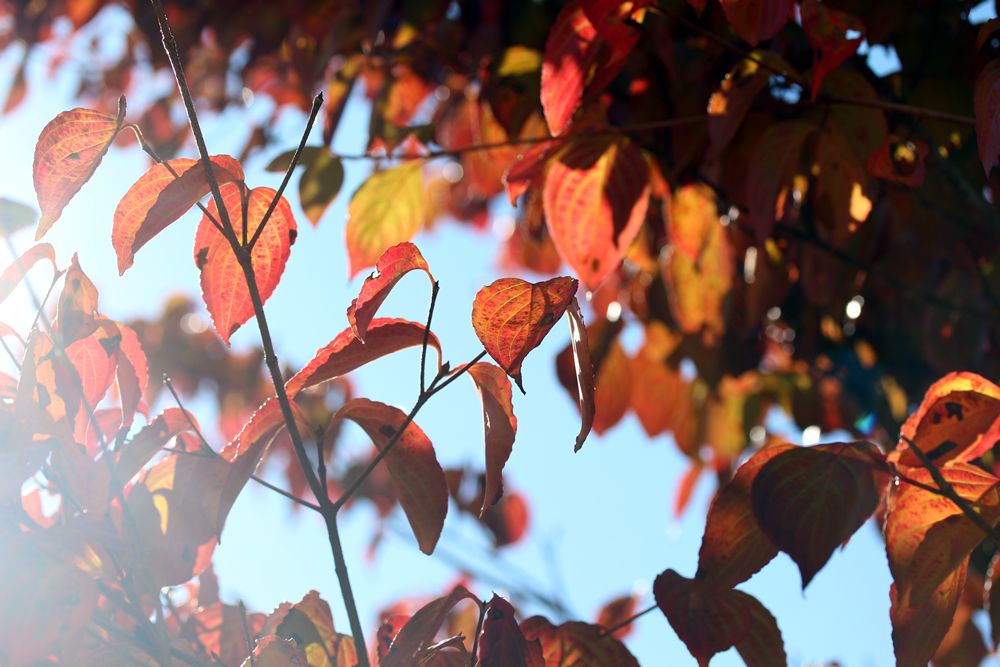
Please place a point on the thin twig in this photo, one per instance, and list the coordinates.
(435, 286)
(317, 103)
(479, 629)
(607, 632)
(949, 492)
(293, 498)
(190, 419)
(246, 631)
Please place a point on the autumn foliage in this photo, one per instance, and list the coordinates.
(788, 230)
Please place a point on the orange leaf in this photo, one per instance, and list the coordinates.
(595, 198)
(774, 163)
(13, 274)
(76, 309)
(710, 621)
(733, 546)
(310, 623)
(68, 152)
(220, 631)
(94, 360)
(755, 22)
(223, 283)
(394, 263)
(917, 631)
(158, 199)
(346, 352)
(958, 420)
(273, 651)
(145, 444)
(386, 210)
(585, 385)
(576, 643)
(571, 51)
(684, 489)
(618, 611)
(655, 384)
(810, 500)
(502, 643)
(612, 387)
(827, 31)
(499, 424)
(419, 631)
(416, 474)
(900, 162)
(698, 282)
(512, 316)
(927, 536)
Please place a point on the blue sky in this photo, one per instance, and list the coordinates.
(601, 522)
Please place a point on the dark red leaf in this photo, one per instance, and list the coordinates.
(571, 50)
(419, 631)
(827, 31)
(757, 21)
(503, 643)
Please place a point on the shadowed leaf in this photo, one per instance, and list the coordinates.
(419, 631)
(145, 444)
(773, 166)
(755, 22)
(827, 30)
(310, 623)
(899, 161)
(585, 385)
(576, 643)
(503, 643)
(728, 106)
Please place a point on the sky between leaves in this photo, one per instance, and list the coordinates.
(573, 497)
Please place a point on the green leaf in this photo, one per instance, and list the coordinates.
(14, 216)
(319, 185)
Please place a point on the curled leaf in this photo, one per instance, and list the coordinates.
(394, 263)
(159, 198)
(419, 631)
(512, 316)
(499, 425)
(585, 386)
(68, 151)
(346, 352)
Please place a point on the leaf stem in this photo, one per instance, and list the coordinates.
(317, 103)
(427, 333)
(292, 497)
(949, 492)
(607, 632)
(479, 628)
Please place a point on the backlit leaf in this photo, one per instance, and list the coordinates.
(810, 500)
(917, 631)
(774, 164)
(394, 263)
(733, 546)
(729, 105)
(416, 474)
(273, 651)
(503, 643)
(95, 362)
(76, 310)
(223, 283)
(525, 170)
(419, 631)
(346, 352)
(958, 420)
(698, 283)
(927, 536)
(386, 210)
(320, 182)
(499, 425)
(13, 274)
(595, 197)
(132, 373)
(571, 50)
(68, 151)
(512, 316)
(827, 30)
(145, 444)
(755, 22)
(655, 384)
(710, 621)
(899, 161)
(310, 623)
(576, 643)
(220, 630)
(617, 611)
(585, 385)
(158, 198)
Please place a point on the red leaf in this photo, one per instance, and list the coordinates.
(927, 536)
(346, 352)
(499, 424)
(76, 310)
(93, 358)
(220, 631)
(917, 631)
(416, 474)
(503, 643)
(827, 32)
(958, 420)
(729, 105)
(585, 384)
(810, 500)
(394, 263)
(618, 611)
(158, 199)
(615, 21)
(987, 106)
(571, 51)
(223, 284)
(898, 161)
(755, 22)
(68, 151)
(419, 631)
(595, 198)
(145, 444)
(576, 643)
(512, 316)
(132, 373)
(524, 170)
(508, 519)
(710, 621)
(13, 274)
(774, 164)
(733, 546)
